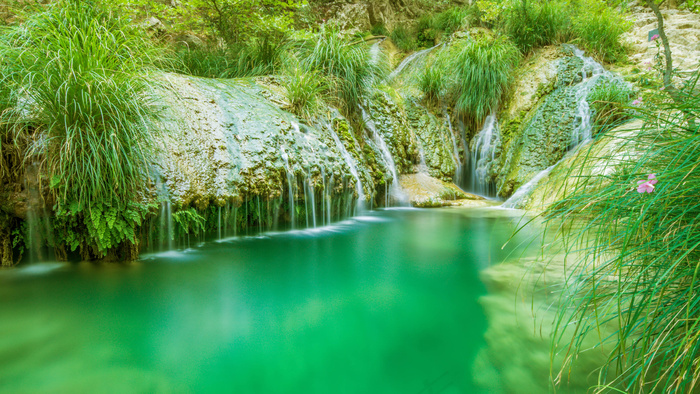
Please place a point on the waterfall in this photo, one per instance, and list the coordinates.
(219, 222)
(352, 165)
(309, 200)
(455, 151)
(517, 199)
(393, 188)
(374, 52)
(408, 60)
(582, 131)
(484, 155)
(166, 225)
(291, 182)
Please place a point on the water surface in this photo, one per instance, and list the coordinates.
(387, 303)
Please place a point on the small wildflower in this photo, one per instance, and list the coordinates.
(637, 101)
(662, 88)
(655, 37)
(648, 185)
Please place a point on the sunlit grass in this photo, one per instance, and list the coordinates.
(639, 264)
(484, 73)
(349, 66)
(81, 72)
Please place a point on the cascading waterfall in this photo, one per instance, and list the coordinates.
(415, 57)
(393, 190)
(352, 166)
(459, 168)
(166, 225)
(291, 183)
(484, 155)
(582, 133)
(309, 199)
(517, 199)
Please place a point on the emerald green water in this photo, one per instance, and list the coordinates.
(387, 303)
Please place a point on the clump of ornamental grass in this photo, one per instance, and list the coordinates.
(260, 56)
(633, 225)
(349, 65)
(433, 80)
(609, 102)
(599, 29)
(532, 24)
(483, 70)
(304, 90)
(81, 78)
(404, 39)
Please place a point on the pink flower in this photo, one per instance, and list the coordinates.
(648, 185)
(662, 88)
(637, 101)
(655, 37)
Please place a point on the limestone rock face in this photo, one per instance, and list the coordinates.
(540, 118)
(540, 128)
(591, 159)
(683, 31)
(229, 140)
(362, 15)
(225, 142)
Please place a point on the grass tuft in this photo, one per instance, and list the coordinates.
(484, 71)
(84, 97)
(637, 255)
(350, 67)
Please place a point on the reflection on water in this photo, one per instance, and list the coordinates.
(396, 302)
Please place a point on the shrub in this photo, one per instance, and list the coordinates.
(204, 62)
(454, 18)
(304, 90)
(637, 254)
(433, 80)
(379, 30)
(261, 56)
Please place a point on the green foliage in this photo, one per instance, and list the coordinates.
(239, 21)
(82, 71)
(535, 24)
(453, 19)
(304, 90)
(593, 24)
(609, 102)
(431, 27)
(379, 30)
(599, 30)
(427, 30)
(433, 80)
(261, 56)
(637, 255)
(100, 229)
(189, 221)
(403, 39)
(484, 73)
(349, 67)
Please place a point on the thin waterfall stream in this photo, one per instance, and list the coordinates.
(581, 134)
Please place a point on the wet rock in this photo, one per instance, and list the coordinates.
(425, 191)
